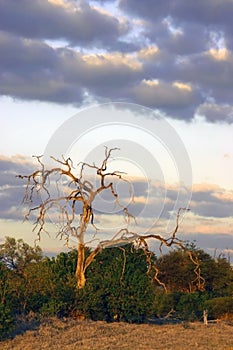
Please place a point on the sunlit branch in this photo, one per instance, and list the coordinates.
(74, 220)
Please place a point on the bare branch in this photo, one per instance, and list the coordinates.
(77, 190)
(124, 264)
(74, 219)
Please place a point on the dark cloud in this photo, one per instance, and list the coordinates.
(209, 12)
(146, 9)
(34, 72)
(209, 201)
(218, 210)
(212, 203)
(215, 243)
(187, 31)
(11, 188)
(184, 39)
(199, 69)
(61, 75)
(213, 112)
(11, 203)
(15, 165)
(176, 99)
(77, 24)
(93, 55)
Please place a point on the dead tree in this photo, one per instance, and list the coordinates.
(79, 189)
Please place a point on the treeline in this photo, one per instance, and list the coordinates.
(119, 286)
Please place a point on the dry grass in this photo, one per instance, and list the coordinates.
(86, 335)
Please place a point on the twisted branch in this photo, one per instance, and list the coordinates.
(80, 190)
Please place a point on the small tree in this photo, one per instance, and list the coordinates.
(16, 254)
(177, 273)
(117, 287)
(83, 190)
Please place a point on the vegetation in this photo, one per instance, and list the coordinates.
(119, 287)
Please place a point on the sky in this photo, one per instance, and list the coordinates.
(162, 72)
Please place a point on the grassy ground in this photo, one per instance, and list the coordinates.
(86, 335)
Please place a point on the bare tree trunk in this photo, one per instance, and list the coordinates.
(205, 317)
(80, 266)
(80, 269)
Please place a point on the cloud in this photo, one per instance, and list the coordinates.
(197, 37)
(62, 75)
(77, 23)
(11, 188)
(213, 112)
(177, 39)
(15, 164)
(161, 55)
(212, 201)
(146, 9)
(207, 12)
(215, 244)
(208, 200)
(176, 98)
(198, 70)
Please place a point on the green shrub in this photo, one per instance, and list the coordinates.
(7, 321)
(190, 307)
(117, 289)
(219, 307)
(53, 308)
(165, 303)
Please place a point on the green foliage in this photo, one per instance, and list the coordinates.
(53, 308)
(7, 320)
(7, 317)
(190, 307)
(165, 303)
(177, 272)
(118, 287)
(223, 277)
(219, 307)
(18, 254)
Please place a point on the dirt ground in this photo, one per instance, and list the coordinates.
(85, 335)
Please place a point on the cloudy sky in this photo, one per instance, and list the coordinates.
(174, 57)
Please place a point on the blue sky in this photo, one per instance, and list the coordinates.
(60, 57)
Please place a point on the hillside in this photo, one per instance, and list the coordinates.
(72, 334)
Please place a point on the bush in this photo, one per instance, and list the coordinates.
(219, 307)
(113, 292)
(165, 303)
(7, 321)
(190, 307)
(53, 308)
